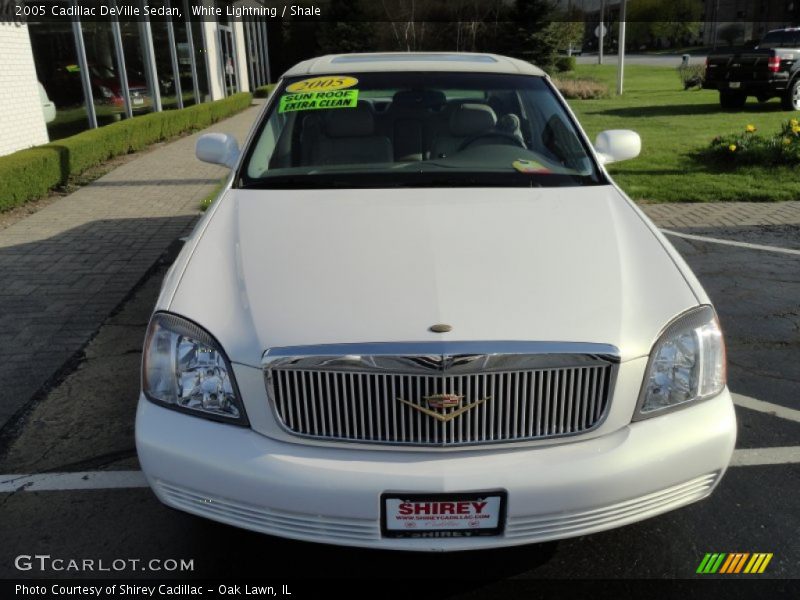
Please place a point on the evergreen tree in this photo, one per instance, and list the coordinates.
(527, 34)
(348, 29)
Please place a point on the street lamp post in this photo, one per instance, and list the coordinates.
(621, 49)
(601, 31)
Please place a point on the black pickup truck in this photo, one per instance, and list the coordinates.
(770, 69)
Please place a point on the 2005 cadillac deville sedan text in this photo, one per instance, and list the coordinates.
(421, 316)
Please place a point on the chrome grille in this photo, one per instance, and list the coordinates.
(378, 399)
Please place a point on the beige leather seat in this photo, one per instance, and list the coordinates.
(348, 137)
(467, 121)
(409, 122)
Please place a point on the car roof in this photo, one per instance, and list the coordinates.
(413, 61)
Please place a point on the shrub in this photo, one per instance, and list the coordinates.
(31, 173)
(691, 75)
(732, 33)
(581, 88)
(565, 63)
(263, 91)
(751, 148)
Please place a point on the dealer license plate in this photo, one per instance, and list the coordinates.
(735, 85)
(138, 101)
(443, 515)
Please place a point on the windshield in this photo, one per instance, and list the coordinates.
(781, 39)
(416, 129)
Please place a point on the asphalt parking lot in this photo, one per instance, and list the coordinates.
(84, 423)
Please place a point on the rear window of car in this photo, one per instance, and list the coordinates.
(418, 129)
(781, 39)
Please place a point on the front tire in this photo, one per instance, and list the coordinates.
(731, 100)
(791, 99)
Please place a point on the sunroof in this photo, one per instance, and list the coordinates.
(369, 58)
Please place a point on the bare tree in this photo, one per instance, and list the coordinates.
(467, 25)
(411, 26)
(391, 22)
(404, 25)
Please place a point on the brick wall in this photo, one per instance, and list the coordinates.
(21, 118)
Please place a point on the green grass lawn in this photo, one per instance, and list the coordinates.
(209, 198)
(673, 125)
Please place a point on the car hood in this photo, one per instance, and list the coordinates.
(274, 268)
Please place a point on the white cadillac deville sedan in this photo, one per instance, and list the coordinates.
(421, 316)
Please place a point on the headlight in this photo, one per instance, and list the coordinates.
(687, 363)
(106, 92)
(183, 367)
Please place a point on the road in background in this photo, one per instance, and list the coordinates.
(655, 60)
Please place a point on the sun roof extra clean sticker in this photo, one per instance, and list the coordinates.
(318, 100)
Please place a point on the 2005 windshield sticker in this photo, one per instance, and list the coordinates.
(319, 93)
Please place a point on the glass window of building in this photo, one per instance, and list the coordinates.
(141, 93)
(57, 68)
(201, 60)
(104, 71)
(184, 52)
(163, 58)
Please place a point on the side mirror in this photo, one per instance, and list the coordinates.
(614, 145)
(218, 149)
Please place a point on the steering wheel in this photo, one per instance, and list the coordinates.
(509, 137)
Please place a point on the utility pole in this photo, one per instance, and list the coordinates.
(601, 31)
(621, 49)
(716, 24)
(569, 15)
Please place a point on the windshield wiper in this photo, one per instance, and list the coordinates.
(419, 178)
(296, 183)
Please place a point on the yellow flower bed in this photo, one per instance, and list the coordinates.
(751, 148)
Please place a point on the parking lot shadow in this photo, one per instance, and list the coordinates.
(59, 285)
(462, 571)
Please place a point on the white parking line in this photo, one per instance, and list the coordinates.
(702, 238)
(87, 480)
(747, 457)
(776, 410)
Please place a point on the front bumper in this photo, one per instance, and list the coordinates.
(332, 495)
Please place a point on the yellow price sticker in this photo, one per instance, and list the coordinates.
(529, 166)
(322, 84)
